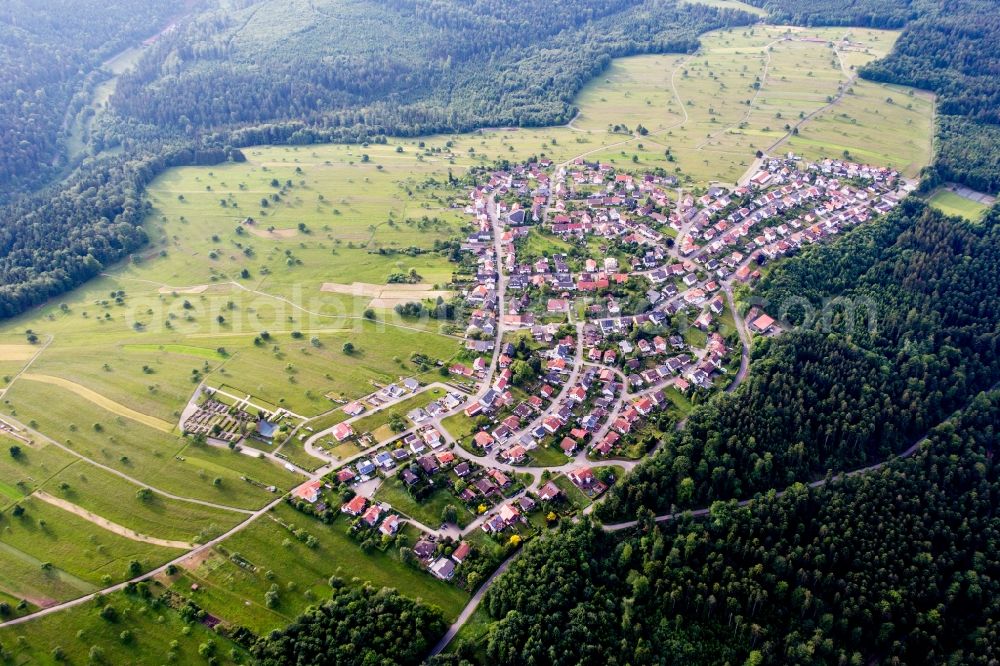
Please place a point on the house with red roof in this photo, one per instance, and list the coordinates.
(342, 431)
(356, 506)
(309, 491)
(583, 477)
(372, 515)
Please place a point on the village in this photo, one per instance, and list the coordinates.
(602, 306)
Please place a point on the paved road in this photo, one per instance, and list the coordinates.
(114, 588)
(118, 473)
(741, 328)
(471, 606)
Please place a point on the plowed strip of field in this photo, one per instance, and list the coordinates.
(101, 401)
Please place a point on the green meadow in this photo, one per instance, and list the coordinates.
(149, 513)
(144, 632)
(34, 466)
(743, 91)
(64, 541)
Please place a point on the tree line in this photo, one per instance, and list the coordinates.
(865, 13)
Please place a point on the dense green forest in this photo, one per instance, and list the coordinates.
(49, 50)
(362, 626)
(898, 565)
(866, 13)
(338, 68)
(900, 326)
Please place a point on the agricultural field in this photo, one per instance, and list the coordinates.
(745, 90)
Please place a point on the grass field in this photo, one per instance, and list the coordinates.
(153, 631)
(713, 110)
(115, 499)
(76, 546)
(871, 129)
(953, 204)
(270, 546)
(33, 467)
(427, 512)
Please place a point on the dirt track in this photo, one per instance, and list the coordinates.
(108, 525)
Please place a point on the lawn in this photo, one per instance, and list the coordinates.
(460, 426)
(114, 498)
(302, 574)
(74, 545)
(152, 630)
(547, 456)
(223, 603)
(951, 203)
(574, 495)
(428, 511)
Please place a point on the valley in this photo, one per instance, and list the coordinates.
(403, 363)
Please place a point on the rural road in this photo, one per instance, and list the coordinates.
(149, 574)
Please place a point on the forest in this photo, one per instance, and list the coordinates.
(889, 14)
(444, 65)
(361, 625)
(48, 51)
(899, 565)
(904, 329)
